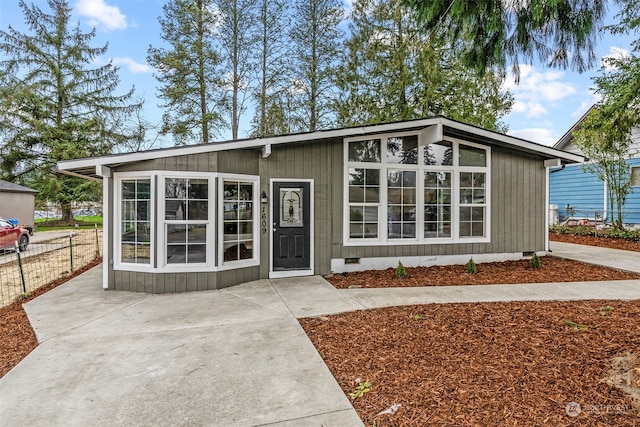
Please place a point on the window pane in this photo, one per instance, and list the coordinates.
(365, 151)
(175, 188)
(176, 233)
(402, 150)
(197, 234)
(356, 213)
(196, 254)
(439, 154)
(356, 194)
(176, 254)
(198, 189)
(472, 156)
(198, 210)
(128, 190)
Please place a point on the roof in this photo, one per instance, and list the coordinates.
(94, 168)
(10, 187)
(568, 136)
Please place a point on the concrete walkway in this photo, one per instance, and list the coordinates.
(235, 357)
(614, 258)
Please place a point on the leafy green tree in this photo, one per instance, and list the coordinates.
(315, 39)
(392, 71)
(190, 80)
(53, 106)
(490, 34)
(608, 149)
(605, 134)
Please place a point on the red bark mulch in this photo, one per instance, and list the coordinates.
(489, 273)
(486, 364)
(603, 242)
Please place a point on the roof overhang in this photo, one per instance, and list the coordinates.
(99, 167)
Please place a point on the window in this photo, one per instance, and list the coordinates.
(364, 200)
(135, 221)
(401, 191)
(472, 204)
(437, 204)
(238, 220)
(635, 176)
(186, 220)
(401, 204)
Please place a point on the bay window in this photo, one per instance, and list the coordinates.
(173, 228)
(400, 190)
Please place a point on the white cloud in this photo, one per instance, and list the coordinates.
(133, 66)
(614, 53)
(542, 136)
(101, 14)
(537, 88)
(529, 109)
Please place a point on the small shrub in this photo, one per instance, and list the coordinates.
(535, 262)
(401, 271)
(471, 267)
(360, 390)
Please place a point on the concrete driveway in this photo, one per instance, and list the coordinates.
(235, 357)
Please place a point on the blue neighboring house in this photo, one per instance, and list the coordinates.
(580, 194)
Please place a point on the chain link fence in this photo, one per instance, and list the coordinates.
(46, 261)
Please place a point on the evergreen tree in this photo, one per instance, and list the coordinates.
(315, 39)
(490, 34)
(272, 71)
(190, 80)
(392, 71)
(53, 106)
(237, 39)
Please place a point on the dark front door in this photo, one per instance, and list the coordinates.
(291, 226)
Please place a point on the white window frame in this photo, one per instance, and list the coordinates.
(118, 177)
(420, 168)
(162, 223)
(255, 260)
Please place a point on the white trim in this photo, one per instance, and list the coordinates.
(338, 265)
(293, 273)
(68, 166)
(547, 201)
(106, 235)
(255, 260)
(420, 168)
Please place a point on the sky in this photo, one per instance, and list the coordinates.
(547, 104)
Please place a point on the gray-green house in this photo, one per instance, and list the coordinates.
(424, 192)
